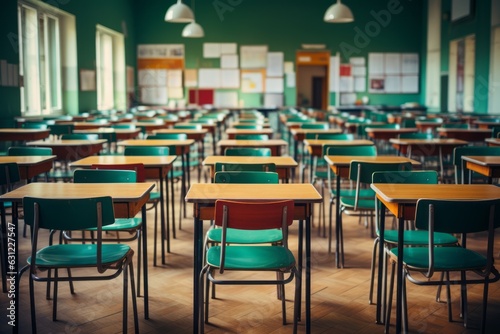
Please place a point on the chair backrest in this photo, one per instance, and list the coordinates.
(246, 177)
(80, 136)
(104, 176)
(175, 136)
(61, 129)
(9, 174)
(129, 126)
(330, 136)
(458, 216)
(407, 177)
(361, 150)
(35, 125)
(248, 151)
(240, 167)
(322, 126)
(408, 122)
(188, 126)
(455, 126)
(138, 168)
(146, 150)
(68, 214)
(248, 126)
(495, 132)
(416, 135)
(24, 150)
(459, 164)
(252, 136)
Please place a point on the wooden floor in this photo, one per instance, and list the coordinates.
(339, 296)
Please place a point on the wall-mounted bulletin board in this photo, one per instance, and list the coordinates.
(393, 73)
(160, 68)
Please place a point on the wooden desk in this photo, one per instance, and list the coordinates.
(401, 200)
(232, 132)
(488, 166)
(284, 165)
(492, 141)
(486, 124)
(465, 134)
(30, 166)
(71, 150)
(386, 134)
(203, 197)
(210, 128)
(424, 126)
(21, 134)
(128, 198)
(340, 165)
(274, 144)
(427, 147)
(315, 148)
(121, 134)
(157, 167)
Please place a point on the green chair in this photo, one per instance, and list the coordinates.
(175, 136)
(411, 237)
(9, 176)
(459, 164)
(473, 266)
(455, 126)
(58, 130)
(248, 151)
(80, 136)
(188, 126)
(242, 167)
(129, 126)
(360, 172)
(32, 151)
(248, 126)
(416, 135)
(315, 126)
(74, 215)
(246, 177)
(250, 216)
(252, 137)
(35, 125)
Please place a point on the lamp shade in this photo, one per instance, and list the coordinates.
(193, 30)
(338, 13)
(179, 13)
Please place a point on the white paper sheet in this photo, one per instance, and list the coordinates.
(174, 78)
(252, 82)
(360, 84)
(392, 63)
(229, 61)
(190, 78)
(274, 85)
(393, 84)
(151, 77)
(290, 79)
(275, 64)
(409, 63)
(209, 78)
(154, 95)
(226, 99)
(334, 74)
(376, 63)
(409, 84)
(253, 56)
(229, 78)
(273, 100)
(346, 84)
(289, 68)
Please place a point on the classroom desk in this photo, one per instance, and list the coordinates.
(129, 199)
(209, 127)
(488, 166)
(427, 147)
(157, 167)
(284, 165)
(203, 197)
(315, 148)
(401, 200)
(340, 165)
(486, 124)
(263, 124)
(469, 135)
(386, 134)
(274, 144)
(70, 149)
(22, 134)
(121, 134)
(424, 126)
(87, 125)
(232, 132)
(492, 141)
(30, 166)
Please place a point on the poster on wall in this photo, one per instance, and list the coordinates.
(253, 56)
(252, 81)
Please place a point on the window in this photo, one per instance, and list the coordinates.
(494, 85)
(40, 61)
(462, 74)
(110, 61)
(433, 68)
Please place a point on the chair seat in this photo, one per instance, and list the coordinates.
(367, 193)
(420, 237)
(154, 196)
(238, 236)
(445, 258)
(121, 224)
(252, 257)
(363, 204)
(73, 255)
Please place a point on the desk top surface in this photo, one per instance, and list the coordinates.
(245, 142)
(148, 161)
(67, 142)
(345, 160)
(156, 142)
(280, 161)
(484, 160)
(434, 141)
(321, 142)
(27, 160)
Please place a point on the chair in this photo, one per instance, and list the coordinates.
(316, 126)
(246, 177)
(472, 267)
(154, 196)
(9, 175)
(416, 135)
(80, 136)
(248, 151)
(361, 172)
(35, 125)
(411, 237)
(175, 136)
(250, 216)
(248, 126)
(76, 214)
(356, 150)
(240, 167)
(459, 165)
(455, 126)
(252, 137)
(58, 130)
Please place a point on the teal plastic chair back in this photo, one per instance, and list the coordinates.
(24, 150)
(407, 177)
(128, 126)
(175, 136)
(321, 126)
(104, 176)
(252, 137)
(248, 126)
(416, 135)
(246, 177)
(9, 174)
(361, 150)
(146, 150)
(495, 132)
(35, 125)
(240, 167)
(459, 164)
(80, 136)
(362, 171)
(455, 126)
(330, 136)
(408, 123)
(61, 129)
(188, 126)
(68, 214)
(248, 151)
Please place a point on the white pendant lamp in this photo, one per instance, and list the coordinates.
(338, 13)
(193, 30)
(179, 13)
